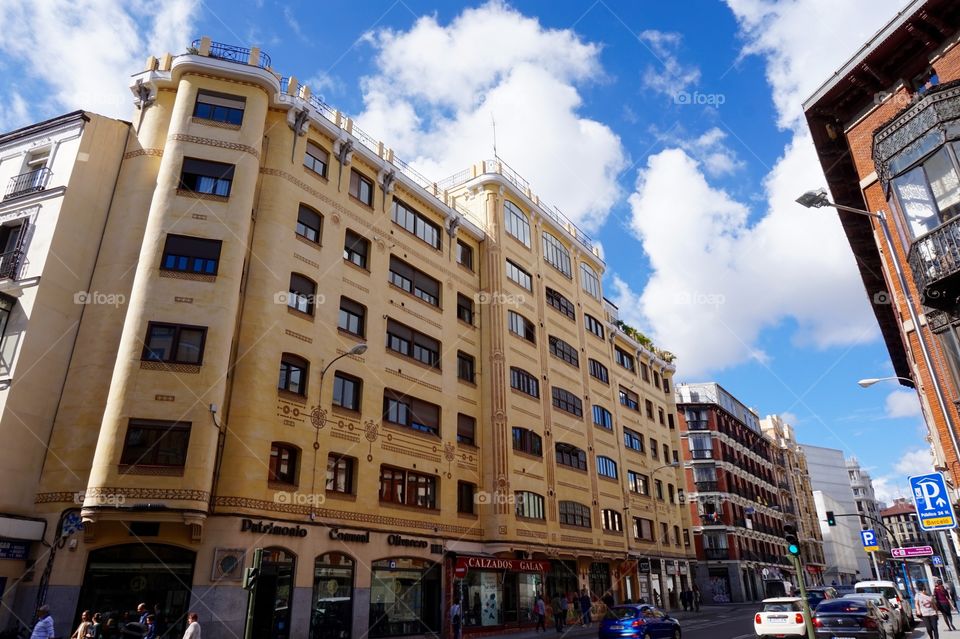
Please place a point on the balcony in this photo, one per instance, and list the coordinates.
(698, 424)
(702, 453)
(29, 182)
(707, 486)
(935, 263)
(230, 53)
(716, 554)
(10, 264)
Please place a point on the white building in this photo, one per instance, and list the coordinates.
(839, 548)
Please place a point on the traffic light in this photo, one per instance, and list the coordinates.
(790, 536)
(831, 519)
(253, 572)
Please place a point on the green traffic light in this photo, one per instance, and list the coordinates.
(793, 549)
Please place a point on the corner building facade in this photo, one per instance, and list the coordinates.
(406, 392)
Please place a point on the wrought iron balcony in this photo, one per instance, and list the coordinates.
(698, 424)
(706, 486)
(10, 264)
(716, 554)
(935, 263)
(232, 53)
(29, 182)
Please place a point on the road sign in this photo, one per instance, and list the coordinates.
(934, 510)
(869, 539)
(937, 560)
(912, 551)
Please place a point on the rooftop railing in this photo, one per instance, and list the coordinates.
(232, 53)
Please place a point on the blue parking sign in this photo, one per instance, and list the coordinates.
(937, 560)
(934, 510)
(869, 539)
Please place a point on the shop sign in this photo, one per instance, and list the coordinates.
(14, 549)
(355, 537)
(271, 528)
(397, 540)
(643, 566)
(671, 568)
(494, 563)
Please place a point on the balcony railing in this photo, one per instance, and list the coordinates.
(706, 486)
(10, 264)
(29, 182)
(699, 424)
(233, 53)
(935, 264)
(716, 554)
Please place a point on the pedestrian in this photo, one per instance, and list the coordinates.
(696, 598)
(43, 629)
(585, 605)
(142, 611)
(943, 604)
(925, 607)
(95, 631)
(684, 602)
(151, 627)
(193, 627)
(85, 623)
(559, 606)
(607, 599)
(456, 619)
(540, 609)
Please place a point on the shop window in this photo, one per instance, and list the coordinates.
(405, 597)
(274, 594)
(356, 249)
(316, 159)
(516, 223)
(333, 580)
(309, 224)
(352, 318)
(556, 300)
(466, 497)
(341, 471)
(599, 576)
(293, 374)
(283, 463)
(361, 187)
(347, 391)
(574, 514)
(529, 505)
(186, 254)
(416, 223)
(219, 107)
(174, 343)
(466, 429)
(151, 442)
(206, 177)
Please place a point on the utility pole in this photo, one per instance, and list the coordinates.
(793, 551)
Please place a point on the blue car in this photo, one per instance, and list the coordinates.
(642, 621)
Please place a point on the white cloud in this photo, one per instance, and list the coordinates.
(915, 462)
(716, 158)
(791, 418)
(81, 53)
(669, 76)
(902, 404)
(887, 488)
(437, 89)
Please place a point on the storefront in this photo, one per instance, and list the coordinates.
(499, 593)
(272, 606)
(405, 597)
(331, 612)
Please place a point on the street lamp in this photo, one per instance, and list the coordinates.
(656, 532)
(870, 381)
(358, 349)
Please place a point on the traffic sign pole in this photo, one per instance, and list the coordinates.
(805, 603)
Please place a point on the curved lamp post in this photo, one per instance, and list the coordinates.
(870, 381)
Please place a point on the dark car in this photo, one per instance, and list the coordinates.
(848, 618)
(818, 594)
(642, 621)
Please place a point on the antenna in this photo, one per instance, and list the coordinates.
(494, 121)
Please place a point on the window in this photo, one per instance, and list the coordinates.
(316, 159)
(413, 281)
(561, 303)
(570, 455)
(205, 177)
(411, 412)
(644, 372)
(648, 406)
(529, 505)
(564, 351)
(660, 416)
(516, 223)
(410, 343)
(593, 325)
(624, 358)
(666, 386)
(606, 467)
(643, 529)
(656, 379)
(574, 514)
(676, 535)
(283, 463)
(174, 343)
(361, 187)
(567, 401)
(219, 107)
(929, 194)
(632, 440)
(191, 254)
(464, 309)
(670, 423)
(612, 520)
(356, 248)
(346, 391)
(629, 399)
(466, 497)
(527, 441)
(602, 417)
(353, 317)
(303, 291)
(654, 450)
(151, 442)
(520, 276)
(663, 532)
(599, 371)
(521, 326)
(524, 382)
(465, 367)
(676, 457)
(340, 472)
(293, 374)
(556, 254)
(466, 429)
(309, 224)
(407, 488)
(671, 493)
(589, 280)
(414, 222)
(638, 483)
(658, 488)
(464, 255)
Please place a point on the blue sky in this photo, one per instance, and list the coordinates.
(672, 131)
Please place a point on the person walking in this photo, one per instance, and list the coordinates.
(456, 619)
(193, 627)
(95, 631)
(540, 609)
(585, 605)
(684, 601)
(85, 623)
(142, 611)
(696, 598)
(943, 604)
(43, 629)
(559, 606)
(925, 607)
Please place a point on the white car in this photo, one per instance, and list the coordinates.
(889, 590)
(892, 620)
(780, 617)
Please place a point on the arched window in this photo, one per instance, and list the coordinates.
(293, 374)
(333, 575)
(556, 254)
(516, 222)
(575, 514)
(570, 455)
(589, 280)
(606, 467)
(529, 505)
(303, 292)
(309, 224)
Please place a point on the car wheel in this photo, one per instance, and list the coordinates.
(676, 633)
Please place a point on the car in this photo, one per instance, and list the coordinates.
(817, 594)
(894, 623)
(891, 591)
(845, 589)
(639, 621)
(849, 619)
(780, 617)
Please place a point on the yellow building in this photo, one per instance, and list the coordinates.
(407, 392)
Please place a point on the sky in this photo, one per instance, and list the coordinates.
(671, 132)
